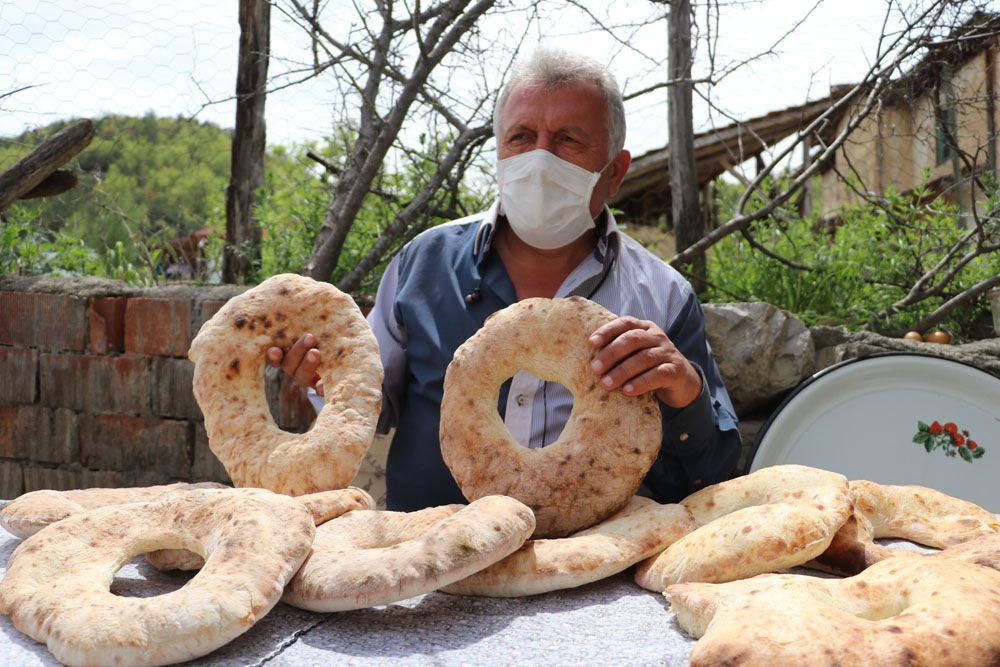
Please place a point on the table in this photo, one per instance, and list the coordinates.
(610, 621)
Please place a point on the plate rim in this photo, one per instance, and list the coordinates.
(805, 383)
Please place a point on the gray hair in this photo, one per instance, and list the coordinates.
(550, 68)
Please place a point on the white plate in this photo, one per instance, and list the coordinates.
(861, 418)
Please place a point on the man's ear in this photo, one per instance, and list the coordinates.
(619, 167)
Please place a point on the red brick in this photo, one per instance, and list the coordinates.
(136, 444)
(96, 384)
(54, 322)
(160, 327)
(172, 391)
(11, 480)
(206, 466)
(106, 322)
(18, 375)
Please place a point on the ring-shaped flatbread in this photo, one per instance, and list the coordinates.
(605, 449)
(229, 385)
(57, 586)
(902, 611)
(367, 558)
(30, 512)
(769, 520)
(916, 513)
(323, 506)
(639, 530)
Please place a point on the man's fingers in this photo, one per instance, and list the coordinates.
(274, 355)
(305, 373)
(624, 345)
(606, 333)
(635, 365)
(295, 354)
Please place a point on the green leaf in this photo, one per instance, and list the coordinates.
(922, 426)
(978, 453)
(928, 445)
(921, 437)
(965, 454)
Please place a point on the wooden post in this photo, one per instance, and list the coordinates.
(28, 176)
(688, 224)
(247, 165)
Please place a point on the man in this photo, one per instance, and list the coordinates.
(560, 128)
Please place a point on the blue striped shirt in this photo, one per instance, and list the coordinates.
(421, 316)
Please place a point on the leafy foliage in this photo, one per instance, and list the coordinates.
(856, 269)
(146, 180)
(140, 180)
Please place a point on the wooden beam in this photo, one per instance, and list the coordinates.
(30, 171)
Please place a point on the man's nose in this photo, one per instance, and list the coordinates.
(545, 142)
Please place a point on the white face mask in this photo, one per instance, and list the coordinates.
(546, 199)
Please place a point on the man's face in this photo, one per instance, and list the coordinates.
(570, 122)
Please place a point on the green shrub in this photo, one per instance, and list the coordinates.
(859, 268)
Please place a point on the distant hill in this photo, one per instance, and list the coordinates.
(139, 179)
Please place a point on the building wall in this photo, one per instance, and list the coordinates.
(896, 145)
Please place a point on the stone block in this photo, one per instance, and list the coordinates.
(11, 480)
(22, 429)
(55, 322)
(64, 479)
(106, 324)
(18, 375)
(172, 391)
(136, 444)
(38, 433)
(158, 327)
(208, 308)
(206, 466)
(96, 384)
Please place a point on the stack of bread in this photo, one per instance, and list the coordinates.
(537, 520)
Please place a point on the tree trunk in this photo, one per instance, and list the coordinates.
(688, 224)
(242, 249)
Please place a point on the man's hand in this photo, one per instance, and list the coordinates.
(637, 356)
(300, 361)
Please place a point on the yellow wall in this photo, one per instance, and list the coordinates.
(894, 145)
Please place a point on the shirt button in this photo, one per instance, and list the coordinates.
(519, 399)
(682, 437)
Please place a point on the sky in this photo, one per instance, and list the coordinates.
(83, 58)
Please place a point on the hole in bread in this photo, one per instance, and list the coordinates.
(139, 579)
(288, 402)
(554, 399)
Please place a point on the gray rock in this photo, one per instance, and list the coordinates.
(834, 345)
(762, 351)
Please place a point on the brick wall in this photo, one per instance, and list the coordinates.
(95, 385)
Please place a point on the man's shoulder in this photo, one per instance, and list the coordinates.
(450, 231)
(639, 260)
(443, 243)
